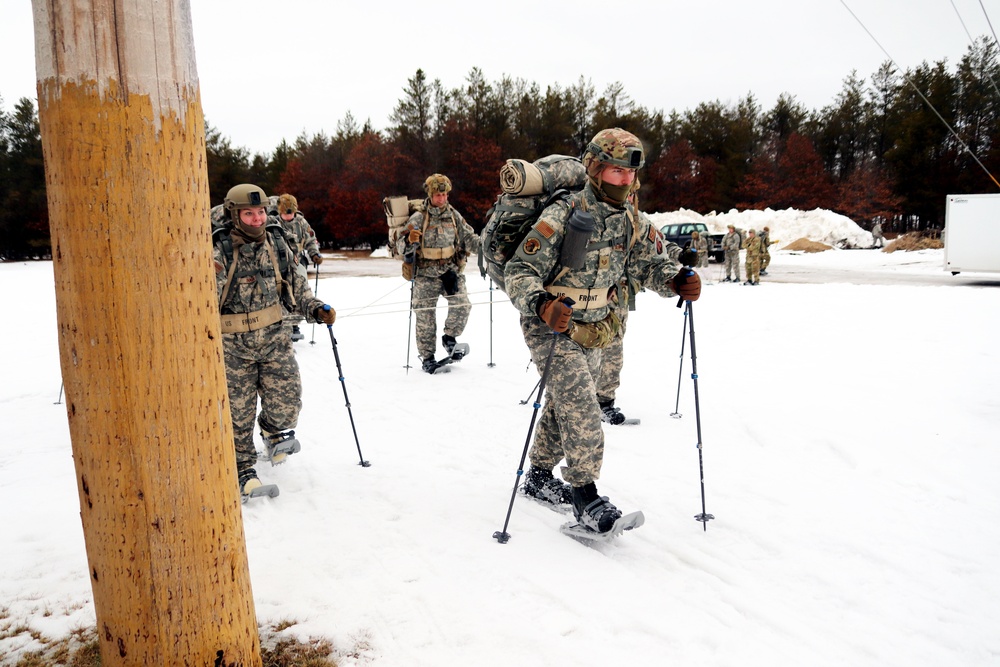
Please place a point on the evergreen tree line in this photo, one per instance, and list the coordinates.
(888, 148)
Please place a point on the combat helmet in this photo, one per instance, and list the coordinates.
(614, 146)
(245, 195)
(437, 183)
(288, 204)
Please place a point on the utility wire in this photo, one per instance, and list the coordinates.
(988, 22)
(972, 41)
(923, 97)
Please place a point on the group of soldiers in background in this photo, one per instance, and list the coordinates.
(758, 255)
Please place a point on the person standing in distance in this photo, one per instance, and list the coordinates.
(578, 305)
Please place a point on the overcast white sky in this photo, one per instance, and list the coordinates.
(272, 70)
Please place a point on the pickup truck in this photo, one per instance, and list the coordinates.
(680, 233)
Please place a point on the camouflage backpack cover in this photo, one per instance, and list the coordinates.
(527, 188)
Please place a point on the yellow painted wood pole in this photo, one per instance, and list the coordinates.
(141, 355)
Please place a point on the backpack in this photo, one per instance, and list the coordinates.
(397, 211)
(282, 250)
(527, 189)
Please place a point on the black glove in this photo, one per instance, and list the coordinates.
(555, 313)
(449, 279)
(687, 285)
(326, 314)
(688, 257)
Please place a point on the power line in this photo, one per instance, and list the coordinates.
(922, 96)
(972, 41)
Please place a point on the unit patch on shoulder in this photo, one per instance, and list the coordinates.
(544, 229)
(531, 245)
(653, 234)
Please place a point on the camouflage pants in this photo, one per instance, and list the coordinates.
(570, 425)
(426, 290)
(765, 259)
(733, 264)
(753, 268)
(265, 367)
(612, 361)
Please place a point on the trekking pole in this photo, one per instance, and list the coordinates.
(528, 397)
(491, 364)
(704, 517)
(347, 401)
(59, 400)
(675, 414)
(315, 293)
(502, 536)
(413, 281)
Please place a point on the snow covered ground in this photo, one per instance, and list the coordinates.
(850, 459)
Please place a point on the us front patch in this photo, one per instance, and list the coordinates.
(544, 229)
(531, 245)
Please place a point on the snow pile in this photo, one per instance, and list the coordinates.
(786, 225)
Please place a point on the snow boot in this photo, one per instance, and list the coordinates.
(429, 365)
(540, 484)
(248, 481)
(610, 414)
(296, 334)
(279, 445)
(448, 342)
(592, 511)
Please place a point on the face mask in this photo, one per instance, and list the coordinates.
(616, 193)
(251, 233)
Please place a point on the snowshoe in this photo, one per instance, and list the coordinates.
(594, 512)
(541, 485)
(280, 445)
(458, 352)
(251, 487)
(627, 522)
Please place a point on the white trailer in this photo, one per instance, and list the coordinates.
(972, 233)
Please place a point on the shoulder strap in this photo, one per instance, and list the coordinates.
(271, 241)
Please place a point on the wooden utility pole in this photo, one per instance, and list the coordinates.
(141, 355)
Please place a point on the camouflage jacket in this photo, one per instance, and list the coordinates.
(300, 234)
(446, 242)
(753, 246)
(609, 261)
(731, 242)
(254, 286)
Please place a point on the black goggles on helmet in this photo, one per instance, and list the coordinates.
(634, 158)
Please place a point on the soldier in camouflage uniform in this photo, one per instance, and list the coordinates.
(613, 356)
(437, 241)
(304, 244)
(752, 246)
(731, 248)
(765, 253)
(256, 280)
(579, 307)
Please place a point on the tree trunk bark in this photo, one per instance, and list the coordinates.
(139, 343)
